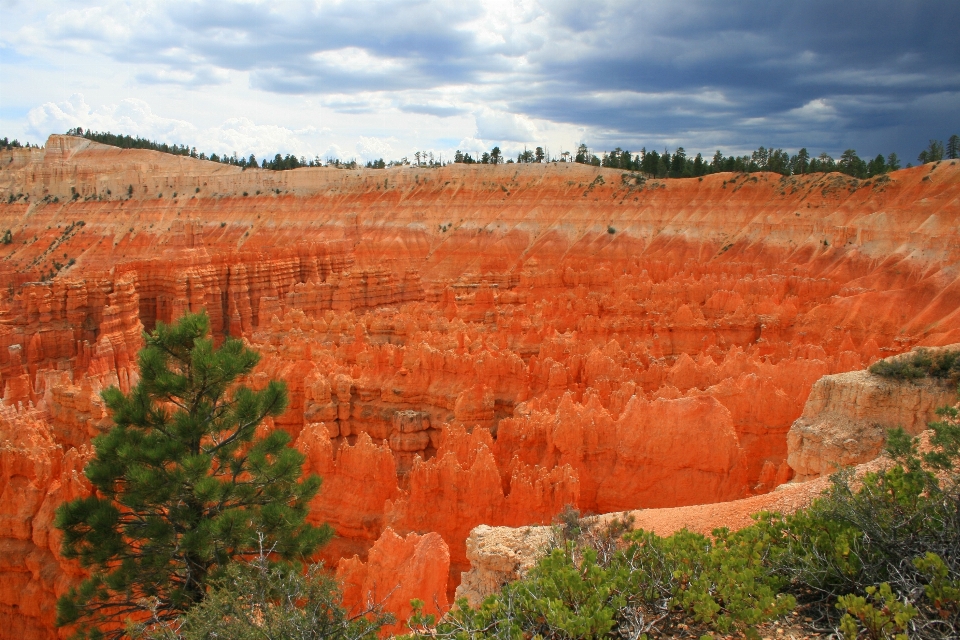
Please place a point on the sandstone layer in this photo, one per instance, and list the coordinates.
(462, 345)
(847, 417)
(499, 555)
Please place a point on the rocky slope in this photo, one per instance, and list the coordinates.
(463, 346)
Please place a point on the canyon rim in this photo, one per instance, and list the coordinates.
(463, 345)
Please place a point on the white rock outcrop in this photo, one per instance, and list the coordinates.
(847, 416)
(499, 555)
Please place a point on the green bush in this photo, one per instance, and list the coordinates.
(723, 582)
(650, 583)
(257, 600)
(911, 367)
(562, 597)
(920, 364)
(900, 527)
(890, 620)
(946, 364)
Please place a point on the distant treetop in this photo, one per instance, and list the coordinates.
(15, 144)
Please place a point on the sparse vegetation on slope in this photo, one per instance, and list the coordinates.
(279, 162)
(920, 364)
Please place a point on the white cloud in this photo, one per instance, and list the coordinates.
(134, 117)
(500, 125)
(333, 152)
(374, 148)
(130, 116)
(357, 60)
(193, 77)
(473, 145)
(819, 110)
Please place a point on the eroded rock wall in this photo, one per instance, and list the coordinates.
(462, 346)
(847, 417)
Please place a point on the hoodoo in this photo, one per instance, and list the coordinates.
(462, 345)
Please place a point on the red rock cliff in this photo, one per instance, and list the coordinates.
(463, 346)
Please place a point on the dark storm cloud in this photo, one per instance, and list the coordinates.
(873, 68)
(828, 75)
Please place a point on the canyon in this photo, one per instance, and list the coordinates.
(462, 345)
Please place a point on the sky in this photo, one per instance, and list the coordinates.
(368, 79)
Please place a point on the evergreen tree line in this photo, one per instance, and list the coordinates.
(679, 165)
(495, 156)
(6, 143)
(661, 165)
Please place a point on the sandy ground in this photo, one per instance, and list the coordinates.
(735, 514)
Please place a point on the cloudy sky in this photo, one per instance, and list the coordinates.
(365, 79)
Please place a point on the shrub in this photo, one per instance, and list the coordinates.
(652, 582)
(560, 598)
(900, 528)
(908, 367)
(722, 582)
(255, 600)
(946, 364)
(920, 364)
(892, 616)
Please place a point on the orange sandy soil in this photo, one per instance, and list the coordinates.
(462, 345)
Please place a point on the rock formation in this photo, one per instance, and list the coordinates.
(397, 570)
(847, 417)
(499, 555)
(462, 345)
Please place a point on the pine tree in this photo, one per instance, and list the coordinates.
(933, 152)
(184, 486)
(583, 154)
(716, 164)
(801, 162)
(953, 147)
